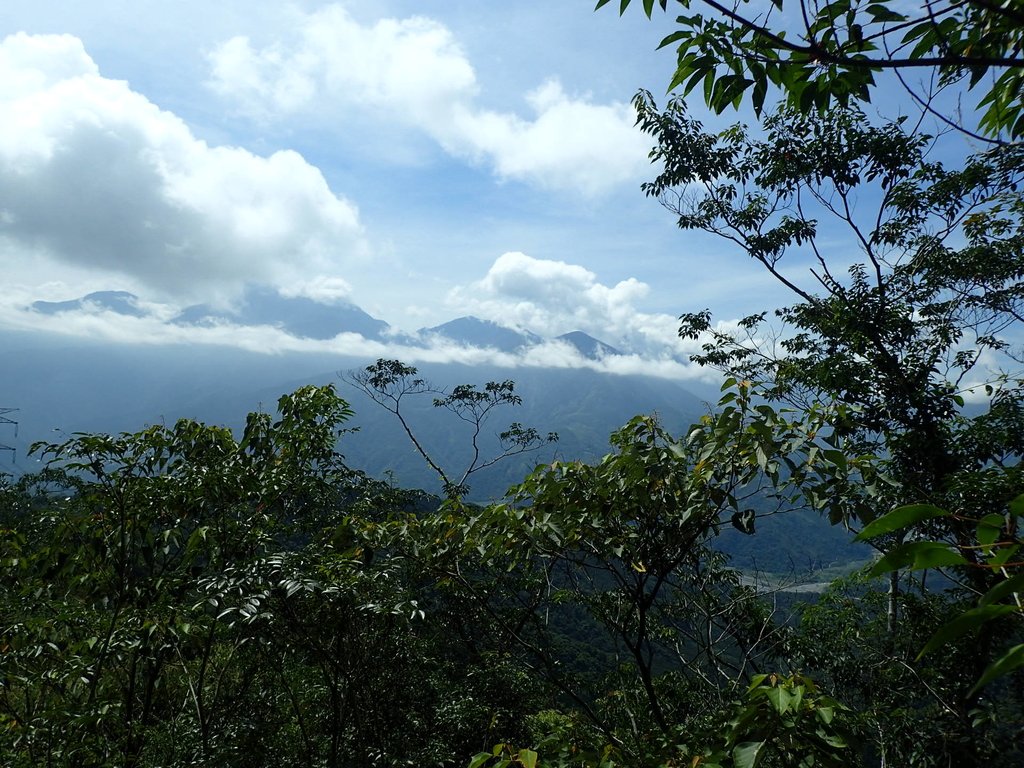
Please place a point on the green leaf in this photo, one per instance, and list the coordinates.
(1003, 556)
(899, 518)
(1017, 506)
(528, 758)
(805, 96)
(989, 528)
(744, 521)
(968, 621)
(1003, 590)
(836, 457)
(709, 86)
(782, 699)
(481, 758)
(755, 682)
(1009, 661)
(675, 37)
(916, 556)
(748, 754)
(882, 13)
(758, 96)
(918, 31)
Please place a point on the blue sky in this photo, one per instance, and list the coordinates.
(423, 160)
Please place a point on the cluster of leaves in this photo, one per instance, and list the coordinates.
(787, 718)
(821, 55)
(936, 289)
(998, 544)
(904, 709)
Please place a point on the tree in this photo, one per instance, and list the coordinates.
(825, 54)
(917, 307)
(907, 711)
(934, 289)
(100, 608)
(998, 543)
(389, 382)
(615, 554)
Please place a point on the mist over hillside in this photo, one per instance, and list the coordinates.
(62, 386)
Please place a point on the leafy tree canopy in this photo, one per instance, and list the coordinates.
(912, 299)
(823, 54)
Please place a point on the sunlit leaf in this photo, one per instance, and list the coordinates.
(1009, 661)
(898, 519)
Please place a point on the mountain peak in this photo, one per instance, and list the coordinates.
(474, 332)
(588, 346)
(298, 315)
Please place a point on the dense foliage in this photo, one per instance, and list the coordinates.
(177, 597)
(180, 597)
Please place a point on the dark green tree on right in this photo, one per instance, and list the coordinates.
(906, 277)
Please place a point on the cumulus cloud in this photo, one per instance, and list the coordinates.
(93, 175)
(413, 71)
(554, 297)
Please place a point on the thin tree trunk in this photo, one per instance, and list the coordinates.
(891, 614)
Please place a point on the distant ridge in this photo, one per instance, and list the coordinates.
(588, 346)
(121, 302)
(304, 317)
(472, 331)
(298, 315)
(63, 385)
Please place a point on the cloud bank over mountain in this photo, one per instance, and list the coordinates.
(553, 297)
(269, 322)
(96, 178)
(125, 221)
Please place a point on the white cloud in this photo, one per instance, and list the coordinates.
(154, 327)
(569, 142)
(554, 297)
(93, 175)
(412, 71)
(326, 290)
(413, 65)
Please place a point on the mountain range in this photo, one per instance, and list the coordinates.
(304, 317)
